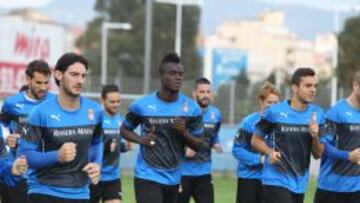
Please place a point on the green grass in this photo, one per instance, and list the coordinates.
(225, 189)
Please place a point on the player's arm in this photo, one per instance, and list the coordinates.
(148, 139)
(192, 132)
(317, 148)
(97, 146)
(240, 152)
(12, 170)
(30, 146)
(96, 151)
(217, 145)
(132, 120)
(5, 172)
(264, 127)
(125, 146)
(334, 153)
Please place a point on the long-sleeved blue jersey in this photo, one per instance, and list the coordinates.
(249, 165)
(337, 173)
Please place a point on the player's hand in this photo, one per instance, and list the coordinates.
(113, 145)
(93, 171)
(12, 140)
(189, 153)
(67, 152)
(180, 125)
(354, 156)
(274, 157)
(129, 146)
(314, 126)
(218, 148)
(149, 139)
(20, 166)
(180, 189)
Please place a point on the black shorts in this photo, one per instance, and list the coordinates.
(147, 191)
(198, 187)
(106, 190)
(248, 190)
(276, 194)
(324, 196)
(41, 198)
(15, 194)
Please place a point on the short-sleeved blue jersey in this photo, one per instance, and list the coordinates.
(161, 163)
(200, 164)
(289, 134)
(49, 127)
(343, 127)
(112, 147)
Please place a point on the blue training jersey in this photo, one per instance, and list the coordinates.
(288, 131)
(161, 163)
(5, 161)
(50, 126)
(200, 164)
(15, 111)
(4, 130)
(343, 127)
(5, 172)
(249, 166)
(112, 147)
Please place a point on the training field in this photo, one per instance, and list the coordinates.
(225, 188)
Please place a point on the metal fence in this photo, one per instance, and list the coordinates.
(233, 99)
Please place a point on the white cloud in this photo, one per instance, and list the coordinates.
(13, 4)
(324, 4)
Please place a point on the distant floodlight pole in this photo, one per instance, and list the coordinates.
(148, 45)
(178, 28)
(334, 79)
(179, 4)
(104, 40)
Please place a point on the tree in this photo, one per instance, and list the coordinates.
(349, 49)
(132, 42)
(242, 78)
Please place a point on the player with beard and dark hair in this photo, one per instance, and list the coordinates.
(196, 180)
(63, 144)
(109, 187)
(15, 111)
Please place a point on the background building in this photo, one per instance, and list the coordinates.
(269, 46)
(26, 35)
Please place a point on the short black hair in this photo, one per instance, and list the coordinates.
(108, 89)
(67, 60)
(301, 72)
(201, 81)
(169, 58)
(39, 66)
(24, 88)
